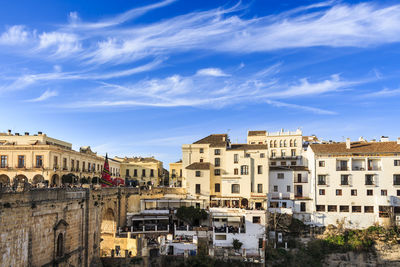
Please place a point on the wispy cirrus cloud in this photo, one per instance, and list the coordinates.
(383, 93)
(215, 72)
(300, 107)
(46, 95)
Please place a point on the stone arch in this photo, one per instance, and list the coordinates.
(244, 202)
(108, 222)
(20, 179)
(291, 142)
(275, 144)
(55, 179)
(38, 178)
(4, 180)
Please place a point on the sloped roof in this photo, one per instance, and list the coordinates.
(257, 133)
(199, 166)
(356, 147)
(247, 146)
(215, 140)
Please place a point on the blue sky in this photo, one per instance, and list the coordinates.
(143, 77)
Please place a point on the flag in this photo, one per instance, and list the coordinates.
(106, 179)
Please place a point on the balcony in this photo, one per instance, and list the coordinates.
(302, 180)
(342, 168)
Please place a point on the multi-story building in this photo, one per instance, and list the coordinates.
(41, 159)
(175, 173)
(225, 174)
(289, 187)
(146, 171)
(355, 182)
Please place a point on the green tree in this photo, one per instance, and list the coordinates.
(237, 244)
(191, 215)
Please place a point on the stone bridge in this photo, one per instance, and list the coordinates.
(60, 226)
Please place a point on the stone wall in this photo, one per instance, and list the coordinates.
(57, 227)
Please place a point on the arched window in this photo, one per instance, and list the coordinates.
(291, 142)
(60, 245)
(295, 143)
(284, 143)
(280, 143)
(275, 144)
(271, 144)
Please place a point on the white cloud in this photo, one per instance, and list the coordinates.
(300, 107)
(46, 95)
(383, 93)
(63, 44)
(215, 72)
(14, 35)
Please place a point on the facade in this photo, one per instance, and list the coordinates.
(225, 174)
(356, 182)
(39, 159)
(145, 171)
(175, 173)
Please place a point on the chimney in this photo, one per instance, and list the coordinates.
(26, 133)
(9, 132)
(384, 139)
(40, 133)
(398, 140)
(17, 134)
(348, 144)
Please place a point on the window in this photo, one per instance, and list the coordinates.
(273, 163)
(291, 142)
(283, 163)
(197, 188)
(288, 189)
(235, 189)
(370, 192)
(259, 169)
(344, 209)
(284, 143)
(198, 173)
(321, 179)
(369, 209)
(283, 153)
(354, 192)
(64, 163)
(284, 205)
(127, 172)
(356, 209)
(151, 173)
(321, 163)
(274, 204)
(344, 179)
(398, 193)
(3, 163)
(275, 188)
(77, 165)
(280, 143)
(217, 152)
(396, 179)
(201, 160)
(72, 164)
(247, 155)
(369, 179)
(293, 163)
(275, 144)
(256, 219)
(302, 206)
(235, 158)
(332, 208)
(384, 211)
(322, 192)
(281, 175)
(299, 180)
(39, 161)
(383, 192)
(244, 170)
(21, 161)
(55, 162)
(295, 143)
(60, 245)
(83, 166)
(273, 153)
(262, 155)
(217, 172)
(320, 207)
(217, 187)
(338, 192)
(259, 188)
(217, 162)
(88, 167)
(201, 150)
(397, 162)
(135, 172)
(236, 171)
(143, 173)
(293, 152)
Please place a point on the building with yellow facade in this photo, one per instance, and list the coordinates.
(175, 173)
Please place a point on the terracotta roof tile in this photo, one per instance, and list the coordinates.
(257, 133)
(199, 166)
(356, 147)
(215, 140)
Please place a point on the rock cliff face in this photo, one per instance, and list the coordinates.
(384, 255)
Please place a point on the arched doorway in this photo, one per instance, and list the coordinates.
(37, 179)
(4, 180)
(20, 181)
(245, 203)
(60, 245)
(55, 180)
